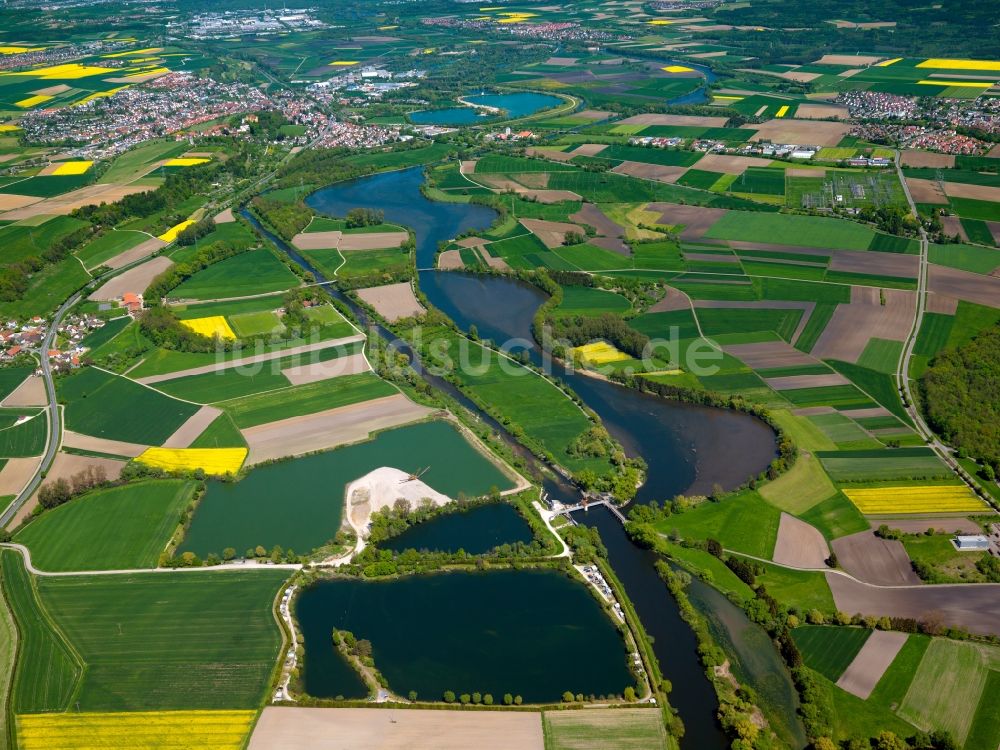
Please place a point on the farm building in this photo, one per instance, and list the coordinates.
(971, 542)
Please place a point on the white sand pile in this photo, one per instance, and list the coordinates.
(381, 488)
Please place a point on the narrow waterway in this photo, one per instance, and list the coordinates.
(687, 448)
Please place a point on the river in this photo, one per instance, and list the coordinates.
(687, 448)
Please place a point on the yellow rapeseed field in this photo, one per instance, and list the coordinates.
(215, 461)
(782, 111)
(67, 71)
(211, 326)
(98, 95)
(887, 63)
(660, 22)
(927, 499)
(73, 167)
(953, 64)
(677, 69)
(171, 234)
(344, 62)
(148, 72)
(140, 730)
(32, 101)
(600, 353)
(966, 84)
(8, 128)
(15, 49)
(185, 161)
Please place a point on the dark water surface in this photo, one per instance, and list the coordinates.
(476, 530)
(534, 633)
(516, 105)
(687, 448)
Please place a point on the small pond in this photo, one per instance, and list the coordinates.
(475, 530)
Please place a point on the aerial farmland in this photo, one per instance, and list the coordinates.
(538, 377)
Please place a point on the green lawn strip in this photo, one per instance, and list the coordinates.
(886, 465)
(978, 231)
(390, 261)
(105, 405)
(121, 527)
(718, 321)
(881, 355)
(12, 377)
(236, 382)
(672, 325)
(590, 258)
(985, 730)
(933, 335)
(804, 433)
(222, 433)
(837, 396)
(253, 272)
(841, 429)
(743, 522)
(25, 439)
(8, 657)
(946, 688)
(970, 208)
(267, 303)
(142, 635)
(835, 517)
(829, 649)
(107, 246)
(609, 728)
(965, 257)
(297, 401)
(47, 668)
(801, 488)
(582, 300)
(970, 319)
(802, 589)
(246, 325)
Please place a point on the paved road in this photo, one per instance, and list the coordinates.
(225, 567)
(54, 436)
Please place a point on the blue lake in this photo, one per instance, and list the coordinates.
(515, 106)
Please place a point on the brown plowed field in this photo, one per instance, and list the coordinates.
(870, 663)
(642, 170)
(976, 192)
(328, 429)
(392, 301)
(873, 560)
(142, 250)
(847, 60)
(926, 191)
(973, 287)
(674, 299)
(551, 233)
(914, 158)
(730, 164)
(802, 132)
(450, 259)
(974, 607)
(865, 318)
(31, 392)
(879, 264)
(799, 545)
(101, 445)
(821, 112)
(286, 728)
(196, 424)
(791, 382)
(133, 280)
(941, 303)
(69, 202)
(769, 355)
(696, 220)
(331, 368)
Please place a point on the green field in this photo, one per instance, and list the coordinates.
(141, 636)
(253, 272)
(884, 465)
(106, 332)
(267, 303)
(222, 433)
(250, 324)
(528, 403)
(803, 231)
(983, 260)
(236, 382)
(802, 589)
(306, 399)
(47, 667)
(109, 406)
(11, 377)
(829, 649)
(582, 300)
(107, 246)
(135, 162)
(47, 289)
(744, 522)
(800, 488)
(119, 528)
(608, 729)
(947, 686)
(8, 654)
(25, 439)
